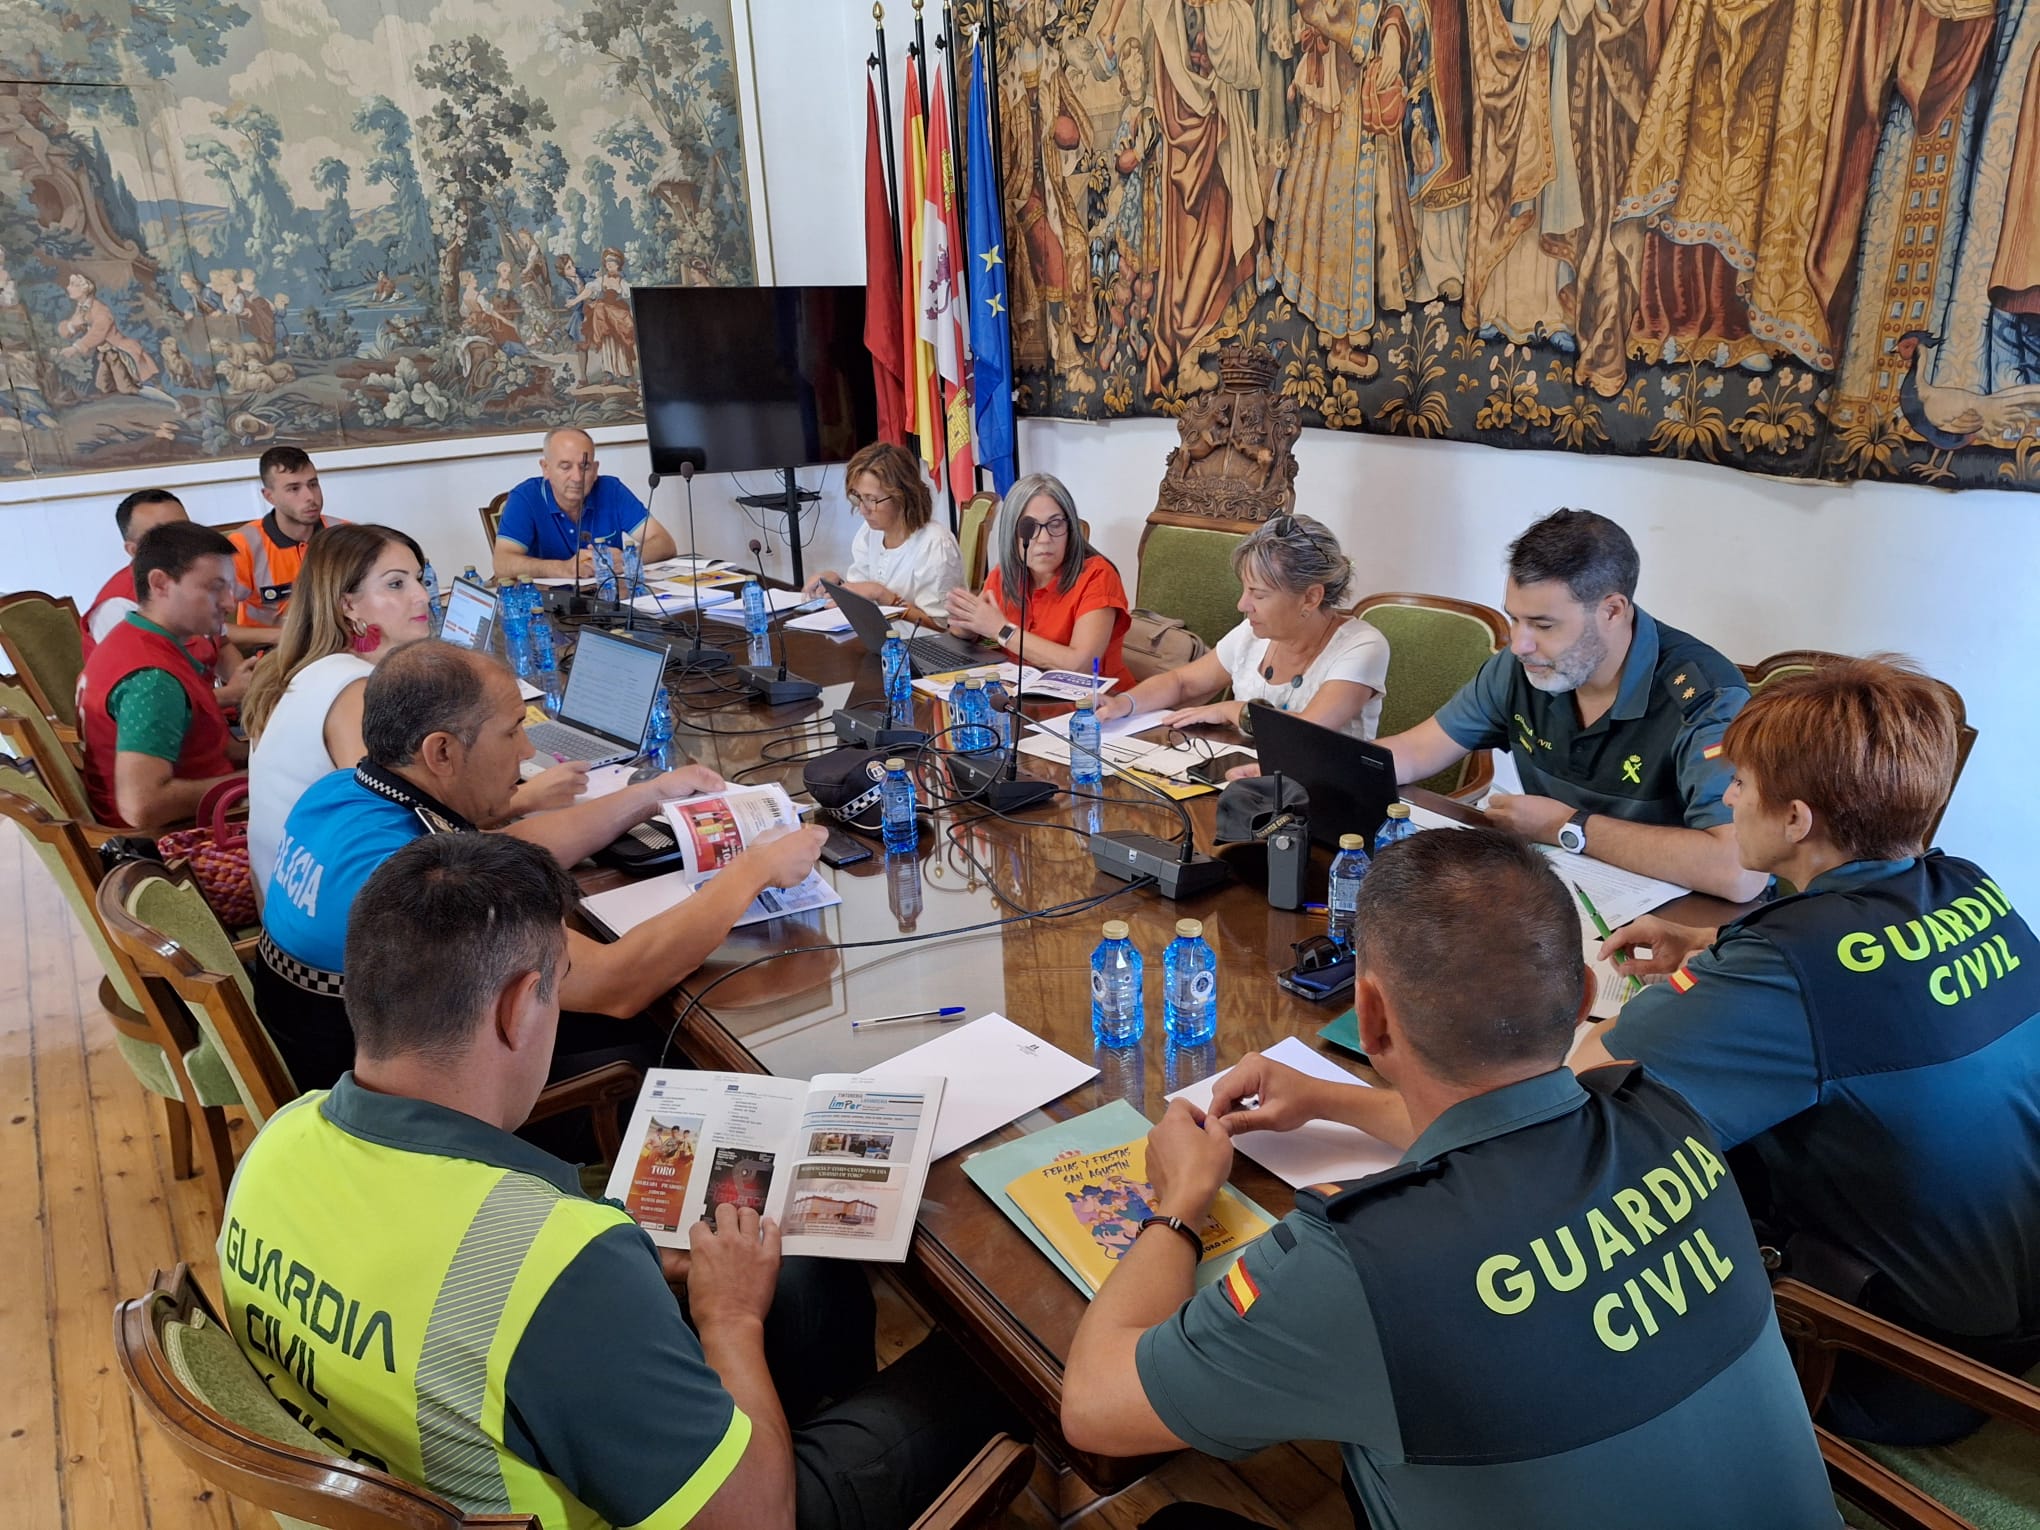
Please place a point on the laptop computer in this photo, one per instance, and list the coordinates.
(927, 653)
(608, 700)
(470, 613)
(1351, 782)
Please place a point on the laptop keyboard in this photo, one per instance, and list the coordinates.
(938, 655)
(572, 744)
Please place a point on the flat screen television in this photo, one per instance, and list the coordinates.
(740, 379)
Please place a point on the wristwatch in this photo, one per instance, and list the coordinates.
(1005, 636)
(1175, 1224)
(1573, 835)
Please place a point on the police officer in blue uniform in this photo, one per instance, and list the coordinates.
(1551, 1314)
(1873, 1042)
(1612, 718)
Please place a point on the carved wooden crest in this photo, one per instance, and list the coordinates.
(1237, 460)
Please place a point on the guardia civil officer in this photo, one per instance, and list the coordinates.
(1551, 1314)
(1875, 1040)
(429, 1294)
(1612, 718)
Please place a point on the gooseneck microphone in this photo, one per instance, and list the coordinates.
(1001, 787)
(774, 684)
(699, 656)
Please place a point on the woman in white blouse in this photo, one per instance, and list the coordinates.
(359, 597)
(902, 555)
(1296, 650)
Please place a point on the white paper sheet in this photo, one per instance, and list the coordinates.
(995, 1071)
(1315, 1154)
(829, 620)
(732, 610)
(1619, 896)
(1113, 727)
(622, 909)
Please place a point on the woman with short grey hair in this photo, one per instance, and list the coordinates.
(1296, 650)
(1070, 601)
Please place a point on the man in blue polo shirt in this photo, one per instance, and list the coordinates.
(1551, 1314)
(547, 520)
(1613, 719)
(444, 734)
(1874, 1040)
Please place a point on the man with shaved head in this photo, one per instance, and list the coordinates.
(549, 520)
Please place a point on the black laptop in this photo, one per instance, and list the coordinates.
(929, 653)
(1351, 782)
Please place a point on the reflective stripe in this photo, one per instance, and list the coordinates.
(681, 1508)
(460, 1461)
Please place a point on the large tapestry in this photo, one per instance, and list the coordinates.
(1794, 236)
(343, 222)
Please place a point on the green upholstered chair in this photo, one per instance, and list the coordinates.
(189, 1377)
(44, 640)
(1989, 1481)
(29, 734)
(1185, 570)
(974, 523)
(1804, 661)
(156, 1040)
(1435, 645)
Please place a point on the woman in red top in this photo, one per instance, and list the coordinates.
(1076, 608)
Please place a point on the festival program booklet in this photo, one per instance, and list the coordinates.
(840, 1161)
(1083, 1206)
(1046, 684)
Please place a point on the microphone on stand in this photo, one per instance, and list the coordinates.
(697, 657)
(775, 686)
(1002, 788)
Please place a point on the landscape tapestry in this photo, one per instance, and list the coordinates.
(1798, 237)
(346, 222)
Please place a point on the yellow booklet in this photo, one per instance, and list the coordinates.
(1090, 1206)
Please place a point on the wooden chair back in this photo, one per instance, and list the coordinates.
(974, 525)
(44, 639)
(30, 735)
(1436, 643)
(187, 1375)
(1802, 661)
(492, 517)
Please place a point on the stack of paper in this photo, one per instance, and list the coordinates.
(732, 610)
(995, 1073)
(831, 621)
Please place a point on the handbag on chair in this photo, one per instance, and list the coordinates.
(1156, 643)
(216, 851)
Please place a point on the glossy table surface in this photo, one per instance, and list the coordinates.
(939, 918)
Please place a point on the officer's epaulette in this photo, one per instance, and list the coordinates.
(1698, 677)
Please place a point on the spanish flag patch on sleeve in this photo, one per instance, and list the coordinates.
(1239, 1287)
(1711, 752)
(1683, 980)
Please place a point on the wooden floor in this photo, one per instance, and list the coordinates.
(89, 1211)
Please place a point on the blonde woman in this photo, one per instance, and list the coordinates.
(358, 599)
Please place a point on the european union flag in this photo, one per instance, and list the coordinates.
(991, 337)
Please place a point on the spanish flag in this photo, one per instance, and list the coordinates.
(1711, 752)
(1683, 981)
(1239, 1287)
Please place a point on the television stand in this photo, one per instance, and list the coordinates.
(789, 500)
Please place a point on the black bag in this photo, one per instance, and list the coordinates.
(845, 782)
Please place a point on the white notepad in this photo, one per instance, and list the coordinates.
(1319, 1153)
(995, 1074)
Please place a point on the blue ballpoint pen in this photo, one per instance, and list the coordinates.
(949, 1012)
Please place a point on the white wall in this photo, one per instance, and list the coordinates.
(1749, 564)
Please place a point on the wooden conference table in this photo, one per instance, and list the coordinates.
(973, 1269)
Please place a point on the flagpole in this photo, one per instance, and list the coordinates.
(988, 37)
(941, 413)
(919, 49)
(892, 169)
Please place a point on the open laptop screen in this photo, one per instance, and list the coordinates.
(612, 685)
(470, 608)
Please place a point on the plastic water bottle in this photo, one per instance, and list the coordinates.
(659, 730)
(470, 574)
(896, 808)
(633, 570)
(1117, 1015)
(430, 580)
(1086, 744)
(605, 573)
(899, 683)
(1396, 829)
(516, 619)
(1001, 703)
(756, 618)
(1349, 868)
(1189, 986)
(979, 732)
(903, 890)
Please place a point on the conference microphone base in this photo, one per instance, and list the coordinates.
(985, 783)
(866, 728)
(1130, 856)
(775, 689)
(703, 658)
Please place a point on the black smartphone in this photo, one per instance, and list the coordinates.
(1322, 985)
(1211, 772)
(841, 849)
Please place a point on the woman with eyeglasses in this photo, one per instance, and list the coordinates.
(903, 555)
(1076, 609)
(1296, 649)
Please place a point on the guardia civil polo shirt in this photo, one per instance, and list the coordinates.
(1552, 1314)
(1654, 757)
(533, 519)
(432, 1296)
(1876, 1040)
